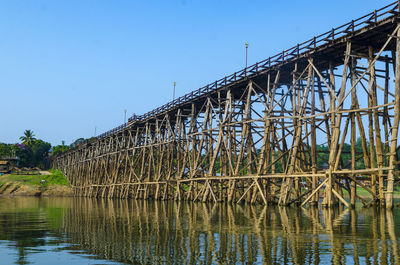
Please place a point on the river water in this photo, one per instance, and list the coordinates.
(99, 231)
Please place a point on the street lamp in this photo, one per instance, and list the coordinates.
(247, 46)
(124, 115)
(173, 95)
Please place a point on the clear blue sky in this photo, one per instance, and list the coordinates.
(67, 66)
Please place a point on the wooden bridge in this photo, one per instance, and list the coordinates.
(312, 124)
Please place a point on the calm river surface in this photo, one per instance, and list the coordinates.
(97, 231)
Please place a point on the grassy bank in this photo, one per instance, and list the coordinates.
(363, 193)
(51, 177)
(45, 183)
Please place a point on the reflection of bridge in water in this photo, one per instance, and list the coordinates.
(151, 232)
(146, 232)
(256, 135)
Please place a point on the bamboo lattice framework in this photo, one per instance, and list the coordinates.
(258, 135)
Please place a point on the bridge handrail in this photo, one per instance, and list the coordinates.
(286, 55)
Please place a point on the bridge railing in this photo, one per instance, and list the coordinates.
(285, 56)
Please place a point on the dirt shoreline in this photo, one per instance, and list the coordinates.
(18, 189)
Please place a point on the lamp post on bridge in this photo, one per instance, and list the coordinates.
(124, 116)
(245, 69)
(173, 95)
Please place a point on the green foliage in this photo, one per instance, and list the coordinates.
(92, 139)
(323, 156)
(77, 142)
(28, 137)
(40, 151)
(34, 154)
(6, 150)
(58, 149)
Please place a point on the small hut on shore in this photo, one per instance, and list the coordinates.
(4, 166)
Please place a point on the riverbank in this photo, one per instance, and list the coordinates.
(46, 183)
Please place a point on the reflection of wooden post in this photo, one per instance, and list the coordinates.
(230, 224)
(384, 246)
(274, 225)
(392, 236)
(353, 224)
(316, 232)
(251, 243)
(337, 256)
(289, 234)
(193, 239)
(375, 235)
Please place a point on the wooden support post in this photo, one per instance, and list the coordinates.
(395, 126)
(353, 143)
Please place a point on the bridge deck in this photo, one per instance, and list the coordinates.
(329, 46)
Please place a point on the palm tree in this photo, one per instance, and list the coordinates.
(28, 137)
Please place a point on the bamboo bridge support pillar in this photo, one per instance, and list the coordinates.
(395, 125)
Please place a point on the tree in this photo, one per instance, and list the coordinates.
(32, 152)
(77, 142)
(40, 151)
(6, 150)
(28, 137)
(58, 149)
(35, 154)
